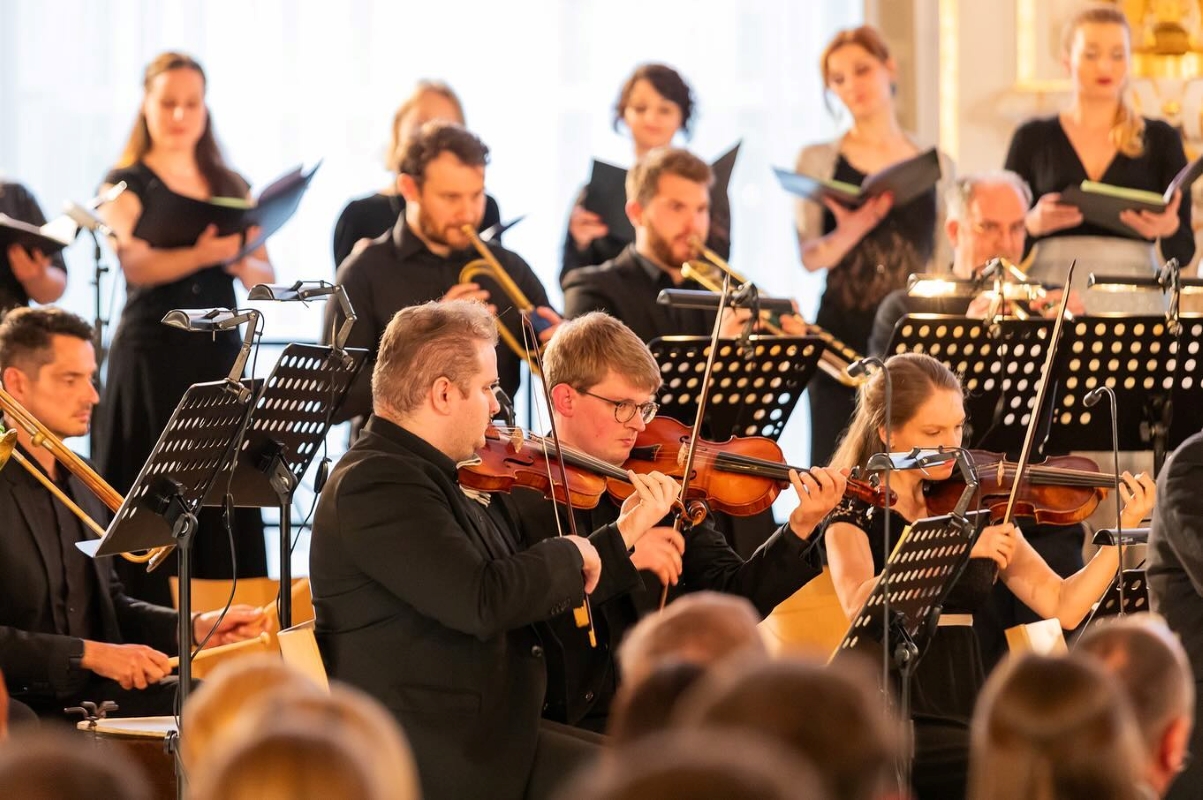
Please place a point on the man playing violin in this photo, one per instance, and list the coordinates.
(422, 599)
(68, 632)
(603, 381)
(441, 175)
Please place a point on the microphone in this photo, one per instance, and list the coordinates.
(85, 219)
(1089, 400)
(918, 458)
(861, 366)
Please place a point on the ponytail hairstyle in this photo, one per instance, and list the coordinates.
(914, 378)
(1128, 129)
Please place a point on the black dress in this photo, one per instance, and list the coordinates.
(369, 217)
(902, 243)
(150, 368)
(946, 682)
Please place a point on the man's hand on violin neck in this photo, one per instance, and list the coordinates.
(818, 491)
(591, 569)
(655, 495)
(661, 551)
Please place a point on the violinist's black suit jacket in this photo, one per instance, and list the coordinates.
(582, 679)
(422, 602)
(40, 663)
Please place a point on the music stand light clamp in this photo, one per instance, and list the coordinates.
(1168, 280)
(212, 320)
(304, 291)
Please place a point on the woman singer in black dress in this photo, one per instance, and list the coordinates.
(172, 152)
(866, 252)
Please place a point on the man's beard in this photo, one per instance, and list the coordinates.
(436, 235)
(662, 250)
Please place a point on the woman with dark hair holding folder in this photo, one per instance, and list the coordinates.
(654, 104)
(172, 153)
(1100, 137)
(866, 252)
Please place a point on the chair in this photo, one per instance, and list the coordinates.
(811, 620)
(212, 594)
(299, 648)
(1044, 638)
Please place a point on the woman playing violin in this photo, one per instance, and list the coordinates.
(603, 383)
(928, 412)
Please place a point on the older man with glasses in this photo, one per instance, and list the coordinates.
(603, 380)
(985, 220)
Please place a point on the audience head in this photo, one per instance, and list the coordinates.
(281, 730)
(430, 100)
(668, 203)
(48, 364)
(857, 67)
(1151, 666)
(699, 628)
(832, 717)
(442, 177)
(53, 764)
(217, 705)
(646, 707)
(927, 410)
(654, 103)
(1053, 728)
(698, 765)
(173, 117)
(985, 219)
(438, 362)
(603, 383)
(1096, 49)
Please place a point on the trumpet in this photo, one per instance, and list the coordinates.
(42, 437)
(836, 356)
(489, 267)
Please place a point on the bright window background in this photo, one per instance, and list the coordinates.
(296, 81)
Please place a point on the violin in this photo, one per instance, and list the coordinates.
(1061, 490)
(513, 457)
(741, 476)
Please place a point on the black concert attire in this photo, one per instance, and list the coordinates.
(581, 679)
(626, 288)
(1041, 153)
(372, 216)
(1175, 573)
(608, 247)
(950, 673)
(53, 597)
(902, 243)
(1059, 545)
(150, 368)
(18, 203)
(399, 270)
(425, 603)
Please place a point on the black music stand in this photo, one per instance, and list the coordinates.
(999, 365)
(1136, 597)
(290, 419)
(160, 509)
(755, 387)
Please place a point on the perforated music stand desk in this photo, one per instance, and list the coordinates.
(290, 419)
(752, 393)
(922, 569)
(160, 509)
(1153, 373)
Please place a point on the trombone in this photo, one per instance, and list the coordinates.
(489, 267)
(836, 356)
(42, 437)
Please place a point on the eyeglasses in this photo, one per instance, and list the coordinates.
(624, 410)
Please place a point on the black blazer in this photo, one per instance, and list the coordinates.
(37, 661)
(626, 288)
(1175, 553)
(424, 605)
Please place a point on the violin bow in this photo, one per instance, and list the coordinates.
(582, 614)
(682, 522)
(1025, 453)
